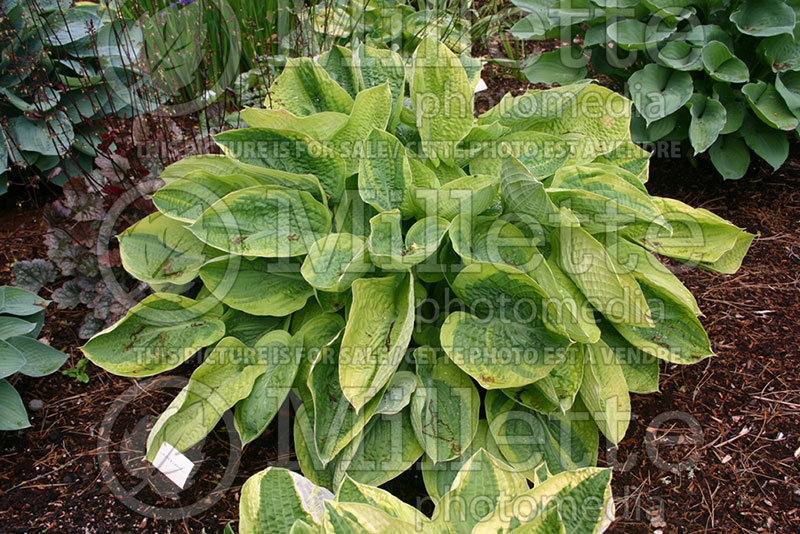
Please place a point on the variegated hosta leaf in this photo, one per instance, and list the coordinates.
(530, 440)
(375, 66)
(156, 335)
(445, 407)
(640, 368)
(586, 175)
(336, 420)
(384, 174)
(158, 249)
(339, 63)
(313, 337)
(470, 195)
(304, 88)
(224, 378)
(542, 154)
(319, 126)
(677, 335)
(442, 99)
(439, 477)
(533, 108)
(377, 335)
(479, 138)
(630, 157)
(305, 449)
(287, 151)
(185, 199)
(490, 240)
(698, 236)
(259, 286)
(255, 412)
(355, 492)
(525, 195)
(264, 221)
(371, 110)
(611, 290)
(483, 484)
(605, 392)
(359, 518)
(571, 307)
(391, 252)
(335, 261)
(275, 498)
(398, 393)
(250, 328)
(386, 448)
(582, 500)
(555, 392)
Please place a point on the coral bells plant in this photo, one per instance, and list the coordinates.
(371, 245)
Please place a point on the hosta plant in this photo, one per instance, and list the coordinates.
(21, 320)
(488, 496)
(371, 244)
(724, 75)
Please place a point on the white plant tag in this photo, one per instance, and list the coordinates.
(481, 86)
(173, 464)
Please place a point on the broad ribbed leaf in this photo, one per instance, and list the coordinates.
(40, 359)
(708, 120)
(377, 335)
(730, 157)
(258, 286)
(384, 175)
(355, 492)
(763, 18)
(722, 65)
(767, 104)
(11, 358)
(371, 110)
(18, 301)
(679, 55)
(358, 518)
(185, 199)
(604, 391)
(156, 335)
(470, 194)
(658, 91)
(264, 221)
(319, 126)
(390, 251)
(12, 411)
(224, 378)
(335, 261)
(304, 88)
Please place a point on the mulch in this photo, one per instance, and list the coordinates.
(741, 475)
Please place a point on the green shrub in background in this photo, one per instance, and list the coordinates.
(723, 74)
(487, 497)
(21, 320)
(62, 69)
(370, 244)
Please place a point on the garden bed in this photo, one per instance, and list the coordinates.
(742, 476)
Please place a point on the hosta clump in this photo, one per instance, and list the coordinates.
(487, 496)
(21, 320)
(372, 245)
(724, 75)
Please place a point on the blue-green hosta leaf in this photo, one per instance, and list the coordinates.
(339, 63)
(287, 151)
(377, 335)
(730, 157)
(158, 249)
(319, 126)
(677, 336)
(51, 136)
(258, 286)
(336, 421)
(305, 449)
(273, 499)
(439, 477)
(264, 221)
(371, 110)
(11, 358)
(770, 144)
(541, 154)
(611, 290)
(471, 195)
(530, 440)
(788, 86)
(359, 518)
(355, 492)
(679, 55)
(375, 66)
(156, 335)
(722, 65)
(698, 236)
(557, 66)
(764, 18)
(389, 251)
(304, 88)
(559, 494)
(767, 104)
(658, 91)
(633, 34)
(671, 11)
(708, 120)
(224, 378)
(445, 407)
(640, 368)
(384, 175)
(483, 484)
(645, 267)
(782, 52)
(12, 411)
(605, 392)
(18, 301)
(335, 261)
(40, 359)
(185, 199)
(442, 99)
(386, 448)
(15, 326)
(255, 412)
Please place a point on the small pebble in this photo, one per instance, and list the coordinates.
(35, 405)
